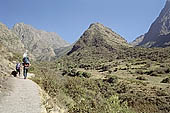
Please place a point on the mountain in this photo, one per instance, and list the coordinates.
(100, 38)
(137, 40)
(159, 32)
(97, 43)
(40, 43)
(10, 40)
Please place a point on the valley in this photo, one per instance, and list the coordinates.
(99, 73)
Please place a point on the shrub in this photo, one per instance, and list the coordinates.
(31, 69)
(112, 79)
(115, 105)
(141, 78)
(109, 71)
(15, 57)
(79, 74)
(139, 71)
(84, 66)
(160, 70)
(115, 69)
(166, 80)
(148, 72)
(167, 70)
(72, 73)
(105, 68)
(65, 72)
(86, 74)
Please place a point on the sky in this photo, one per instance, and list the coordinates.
(70, 18)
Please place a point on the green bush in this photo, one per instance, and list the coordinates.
(115, 105)
(112, 79)
(166, 80)
(31, 68)
(79, 74)
(86, 74)
(16, 57)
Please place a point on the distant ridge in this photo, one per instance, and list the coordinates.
(40, 43)
(10, 40)
(159, 32)
(138, 40)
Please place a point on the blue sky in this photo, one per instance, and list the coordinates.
(70, 18)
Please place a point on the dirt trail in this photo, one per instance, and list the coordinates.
(23, 98)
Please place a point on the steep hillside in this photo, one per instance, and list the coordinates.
(100, 37)
(10, 40)
(98, 42)
(40, 43)
(7, 65)
(158, 34)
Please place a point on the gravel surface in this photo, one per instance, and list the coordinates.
(23, 98)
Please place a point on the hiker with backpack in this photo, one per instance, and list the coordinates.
(26, 64)
(18, 66)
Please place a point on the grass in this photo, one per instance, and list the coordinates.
(80, 94)
(126, 82)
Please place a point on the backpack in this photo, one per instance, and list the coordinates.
(18, 66)
(26, 60)
(14, 73)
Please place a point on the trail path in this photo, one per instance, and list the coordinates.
(23, 98)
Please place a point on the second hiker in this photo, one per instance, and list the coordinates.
(18, 66)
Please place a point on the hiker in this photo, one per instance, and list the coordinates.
(18, 65)
(26, 64)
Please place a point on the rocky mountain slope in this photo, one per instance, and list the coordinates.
(158, 34)
(100, 37)
(10, 40)
(137, 40)
(98, 43)
(40, 43)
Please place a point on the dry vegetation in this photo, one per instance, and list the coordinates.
(136, 79)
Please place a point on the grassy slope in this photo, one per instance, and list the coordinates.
(90, 85)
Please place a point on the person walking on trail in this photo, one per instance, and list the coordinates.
(26, 64)
(18, 66)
